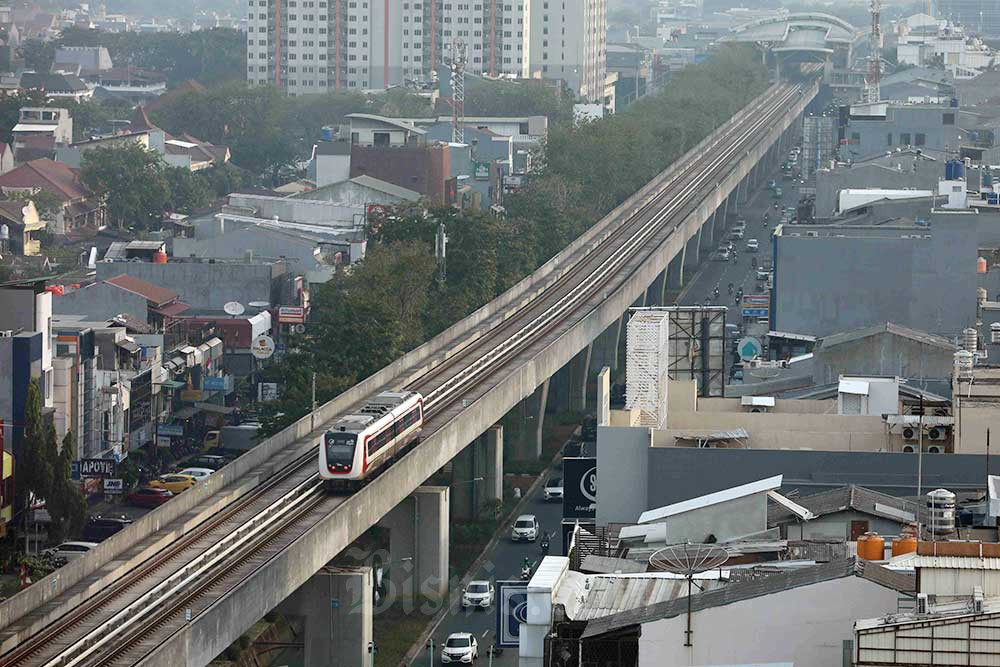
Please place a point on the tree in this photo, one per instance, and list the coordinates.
(188, 191)
(65, 502)
(33, 470)
(133, 181)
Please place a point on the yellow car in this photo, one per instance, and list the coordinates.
(174, 483)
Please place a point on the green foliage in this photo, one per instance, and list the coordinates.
(485, 97)
(210, 56)
(34, 469)
(65, 502)
(131, 178)
(10, 107)
(188, 191)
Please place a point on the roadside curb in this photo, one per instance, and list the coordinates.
(418, 647)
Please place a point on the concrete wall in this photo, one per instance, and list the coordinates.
(724, 521)
(874, 135)
(101, 301)
(774, 430)
(302, 254)
(801, 626)
(920, 174)
(201, 285)
(828, 285)
(838, 527)
(679, 473)
(621, 454)
(882, 354)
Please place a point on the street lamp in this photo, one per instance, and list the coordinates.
(430, 651)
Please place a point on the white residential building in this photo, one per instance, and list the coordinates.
(566, 39)
(313, 46)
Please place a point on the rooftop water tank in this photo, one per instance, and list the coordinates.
(969, 340)
(981, 265)
(326, 133)
(954, 170)
(871, 546)
(941, 512)
(963, 362)
(159, 257)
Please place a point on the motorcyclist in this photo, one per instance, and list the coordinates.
(730, 288)
(715, 292)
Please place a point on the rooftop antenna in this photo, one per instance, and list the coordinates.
(688, 560)
(873, 81)
(458, 59)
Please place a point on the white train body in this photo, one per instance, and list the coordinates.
(360, 443)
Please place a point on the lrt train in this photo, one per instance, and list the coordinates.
(360, 444)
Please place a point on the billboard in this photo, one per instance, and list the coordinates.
(512, 611)
(291, 314)
(580, 488)
(697, 347)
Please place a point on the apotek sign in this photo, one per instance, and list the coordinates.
(291, 314)
(97, 467)
(579, 488)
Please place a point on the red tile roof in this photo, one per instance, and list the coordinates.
(156, 295)
(56, 177)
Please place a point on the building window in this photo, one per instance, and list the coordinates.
(948, 119)
(888, 139)
(904, 139)
(920, 139)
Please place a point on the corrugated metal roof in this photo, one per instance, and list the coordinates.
(859, 387)
(609, 565)
(947, 562)
(725, 495)
(753, 588)
(852, 497)
(607, 595)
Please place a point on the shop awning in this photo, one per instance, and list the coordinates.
(186, 412)
(213, 407)
(128, 345)
(172, 384)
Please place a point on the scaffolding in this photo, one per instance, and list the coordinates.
(646, 366)
(819, 144)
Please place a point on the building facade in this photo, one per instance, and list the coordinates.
(567, 40)
(313, 46)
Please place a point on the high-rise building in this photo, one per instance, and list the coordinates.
(314, 46)
(978, 17)
(566, 39)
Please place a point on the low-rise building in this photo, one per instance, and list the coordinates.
(80, 210)
(21, 219)
(51, 125)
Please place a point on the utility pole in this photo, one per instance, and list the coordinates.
(920, 449)
(440, 253)
(312, 411)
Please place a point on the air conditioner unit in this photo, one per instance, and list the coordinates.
(935, 449)
(937, 433)
(909, 449)
(940, 412)
(758, 409)
(922, 604)
(6, 333)
(812, 234)
(909, 433)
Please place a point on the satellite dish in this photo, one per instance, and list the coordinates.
(688, 560)
(234, 308)
(259, 304)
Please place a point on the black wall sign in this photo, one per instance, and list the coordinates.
(580, 488)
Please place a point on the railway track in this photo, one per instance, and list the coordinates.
(113, 626)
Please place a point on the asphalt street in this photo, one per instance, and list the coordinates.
(503, 562)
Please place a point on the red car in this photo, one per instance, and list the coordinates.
(149, 497)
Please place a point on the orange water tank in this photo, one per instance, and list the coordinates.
(904, 544)
(871, 546)
(981, 265)
(159, 257)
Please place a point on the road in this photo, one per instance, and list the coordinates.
(503, 562)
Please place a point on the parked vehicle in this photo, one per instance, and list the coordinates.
(174, 483)
(100, 527)
(70, 550)
(762, 273)
(525, 528)
(237, 439)
(752, 245)
(478, 594)
(553, 489)
(210, 461)
(148, 496)
(777, 193)
(460, 647)
(736, 233)
(721, 255)
(198, 473)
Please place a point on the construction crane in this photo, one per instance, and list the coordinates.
(458, 60)
(873, 92)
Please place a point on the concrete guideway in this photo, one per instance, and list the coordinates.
(531, 361)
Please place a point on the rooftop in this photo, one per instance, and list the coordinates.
(56, 177)
(761, 486)
(156, 295)
(853, 497)
(887, 327)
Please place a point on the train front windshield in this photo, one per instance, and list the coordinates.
(340, 448)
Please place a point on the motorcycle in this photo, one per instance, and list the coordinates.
(525, 572)
(545, 545)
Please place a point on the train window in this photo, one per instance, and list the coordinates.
(379, 440)
(410, 418)
(340, 448)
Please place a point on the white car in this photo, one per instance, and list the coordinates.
(525, 528)
(553, 489)
(460, 647)
(198, 473)
(478, 594)
(71, 550)
(752, 245)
